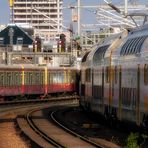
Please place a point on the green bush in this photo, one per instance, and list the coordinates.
(132, 141)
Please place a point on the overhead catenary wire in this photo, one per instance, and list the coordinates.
(95, 12)
(116, 16)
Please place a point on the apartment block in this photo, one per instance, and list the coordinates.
(44, 15)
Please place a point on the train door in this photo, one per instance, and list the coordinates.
(135, 95)
(92, 83)
(88, 93)
(82, 87)
(138, 97)
(102, 90)
(120, 93)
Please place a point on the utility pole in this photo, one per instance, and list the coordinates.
(125, 7)
(79, 18)
(11, 4)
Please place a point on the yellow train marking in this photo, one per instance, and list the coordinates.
(46, 79)
(23, 75)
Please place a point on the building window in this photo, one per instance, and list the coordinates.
(1, 41)
(19, 40)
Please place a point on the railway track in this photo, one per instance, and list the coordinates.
(37, 126)
(48, 100)
(41, 133)
(74, 133)
(8, 115)
(48, 134)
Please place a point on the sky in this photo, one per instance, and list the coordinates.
(86, 14)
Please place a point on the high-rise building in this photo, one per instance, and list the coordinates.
(44, 15)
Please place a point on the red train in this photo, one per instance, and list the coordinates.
(29, 81)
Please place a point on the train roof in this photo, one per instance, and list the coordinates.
(135, 42)
(2, 66)
(103, 49)
(109, 44)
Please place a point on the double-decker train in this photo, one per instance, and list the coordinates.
(114, 78)
(34, 80)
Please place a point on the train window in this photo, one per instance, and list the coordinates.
(1, 79)
(116, 75)
(9, 78)
(139, 45)
(58, 77)
(36, 78)
(133, 46)
(16, 77)
(85, 56)
(126, 95)
(62, 77)
(49, 77)
(88, 75)
(124, 47)
(40, 77)
(128, 47)
(65, 76)
(12, 78)
(107, 74)
(30, 78)
(146, 74)
(134, 97)
(68, 77)
(26, 78)
(54, 78)
(72, 77)
(99, 54)
(5, 76)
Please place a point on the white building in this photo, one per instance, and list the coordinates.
(44, 15)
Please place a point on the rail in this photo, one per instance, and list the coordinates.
(39, 132)
(74, 133)
(52, 99)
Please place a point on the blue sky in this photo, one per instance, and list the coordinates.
(5, 12)
(85, 18)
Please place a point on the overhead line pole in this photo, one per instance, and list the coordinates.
(79, 18)
(125, 9)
